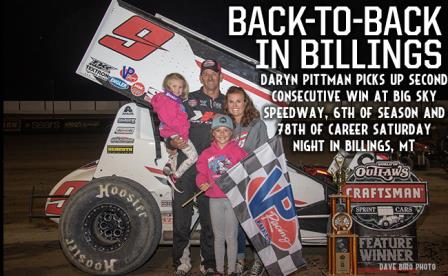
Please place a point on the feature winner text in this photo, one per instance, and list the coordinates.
(387, 249)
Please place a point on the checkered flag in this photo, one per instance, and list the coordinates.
(260, 192)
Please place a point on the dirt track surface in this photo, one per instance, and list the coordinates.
(32, 248)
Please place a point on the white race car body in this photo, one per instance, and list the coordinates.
(143, 167)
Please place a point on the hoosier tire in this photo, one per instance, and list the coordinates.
(111, 226)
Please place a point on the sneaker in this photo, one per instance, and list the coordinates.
(239, 267)
(182, 269)
(257, 269)
(167, 169)
(172, 179)
(180, 272)
(210, 272)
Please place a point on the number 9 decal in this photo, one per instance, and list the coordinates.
(146, 37)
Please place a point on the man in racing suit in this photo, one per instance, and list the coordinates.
(201, 107)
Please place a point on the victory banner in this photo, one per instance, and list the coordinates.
(260, 192)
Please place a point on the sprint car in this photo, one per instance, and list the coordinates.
(115, 211)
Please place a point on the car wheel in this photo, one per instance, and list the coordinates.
(111, 226)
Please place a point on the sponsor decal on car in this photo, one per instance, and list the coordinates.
(120, 149)
(124, 140)
(99, 69)
(150, 93)
(142, 46)
(128, 73)
(167, 218)
(54, 205)
(137, 89)
(126, 120)
(117, 83)
(165, 203)
(124, 130)
(128, 111)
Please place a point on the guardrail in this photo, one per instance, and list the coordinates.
(62, 107)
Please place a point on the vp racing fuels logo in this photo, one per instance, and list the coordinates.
(128, 73)
(271, 205)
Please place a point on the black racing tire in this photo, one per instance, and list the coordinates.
(111, 226)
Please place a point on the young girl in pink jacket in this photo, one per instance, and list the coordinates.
(174, 123)
(212, 163)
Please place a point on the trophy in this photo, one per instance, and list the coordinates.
(342, 248)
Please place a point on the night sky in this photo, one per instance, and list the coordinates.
(44, 41)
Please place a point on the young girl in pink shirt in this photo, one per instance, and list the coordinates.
(212, 163)
(174, 123)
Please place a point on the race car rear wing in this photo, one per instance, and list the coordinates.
(132, 51)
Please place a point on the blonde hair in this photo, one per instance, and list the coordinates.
(176, 76)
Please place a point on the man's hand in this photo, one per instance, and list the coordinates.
(178, 143)
(204, 187)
